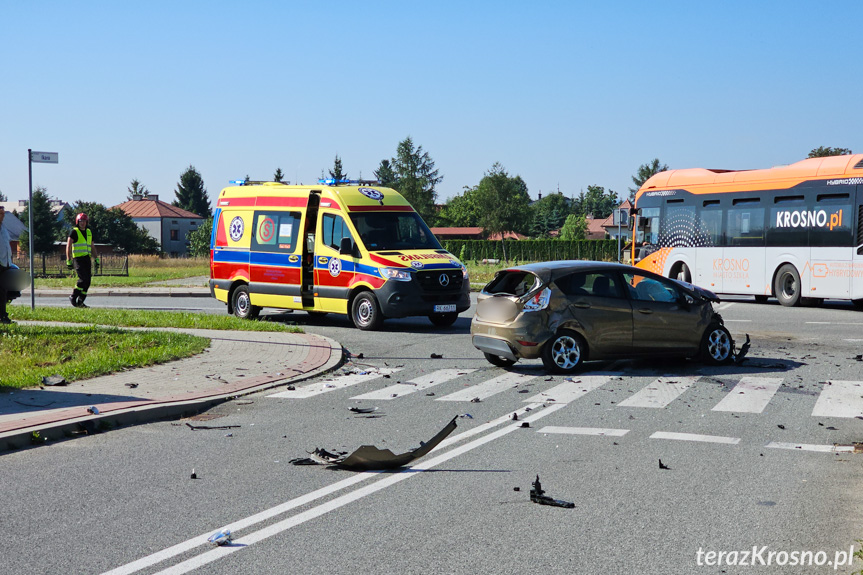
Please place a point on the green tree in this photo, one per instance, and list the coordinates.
(115, 227)
(191, 194)
(136, 188)
(385, 174)
(821, 152)
(460, 211)
(504, 203)
(416, 177)
(3, 197)
(338, 173)
(575, 228)
(597, 202)
(278, 176)
(199, 240)
(644, 173)
(549, 213)
(45, 225)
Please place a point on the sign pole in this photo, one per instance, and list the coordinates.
(30, 229)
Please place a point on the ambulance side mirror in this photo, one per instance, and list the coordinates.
(346, 247)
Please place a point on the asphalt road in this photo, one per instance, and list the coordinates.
(750, 450)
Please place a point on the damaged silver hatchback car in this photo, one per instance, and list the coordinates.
(567, 312)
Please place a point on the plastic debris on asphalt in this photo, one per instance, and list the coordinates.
(537, 495)
(52, 380)
(222, 537)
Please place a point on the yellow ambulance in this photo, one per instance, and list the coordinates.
(349, 247)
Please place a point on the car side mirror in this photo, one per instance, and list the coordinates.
(346, 247)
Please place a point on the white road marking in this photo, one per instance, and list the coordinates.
(571, 390)
(853, 340)
(750, 395)
(333, 384)
(725, 305)
(488, 388)
(840, 399)
(695, 437)
(811, 447)
(834, 323)
(584, 431)
(661, 392)
(416, 384)
(389, 480)
(236, 526)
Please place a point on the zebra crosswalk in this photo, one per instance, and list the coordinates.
(749, 395)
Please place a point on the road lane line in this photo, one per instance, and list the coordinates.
(750, 395)
(583, 431)
(488, 388)
(236, 526)
(333, 384)
(571, 390)
(695, 437)
(725, 305)
(811, 447)
(416, 384)
(661, 392)
(840, 399)
(315, 512)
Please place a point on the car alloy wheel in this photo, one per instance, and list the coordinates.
(717, 344)
(564, 352)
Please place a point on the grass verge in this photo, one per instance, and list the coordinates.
(142, 271)
(141, 318)
(30, 352)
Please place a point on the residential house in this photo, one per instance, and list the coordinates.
(619, 216)
(168, 224)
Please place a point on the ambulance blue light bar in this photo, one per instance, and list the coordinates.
(332, 181)
(237, 182)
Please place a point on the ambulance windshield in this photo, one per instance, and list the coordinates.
(394, 231)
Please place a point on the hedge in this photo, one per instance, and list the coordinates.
(533, 250)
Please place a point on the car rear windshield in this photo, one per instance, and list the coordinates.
(394, 231)
(515, 283)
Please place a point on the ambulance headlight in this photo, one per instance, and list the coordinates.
(464, 273)
(397, 274)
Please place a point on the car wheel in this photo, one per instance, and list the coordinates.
(443, 319)
(498, 360)
(564, 353)
(716, 347)
(787, 286)
(761, 299)
(242, 304)
(365, 312)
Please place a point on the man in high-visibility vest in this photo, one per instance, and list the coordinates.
(79, 248)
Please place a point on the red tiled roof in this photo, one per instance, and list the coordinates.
(509, 236)
(154, 209)
(456, 231)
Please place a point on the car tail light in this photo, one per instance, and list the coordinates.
(539, 301)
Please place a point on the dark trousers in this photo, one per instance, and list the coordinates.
(3, 294)
(84, 270)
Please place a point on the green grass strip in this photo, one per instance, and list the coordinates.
(145, 318)
(30, 352)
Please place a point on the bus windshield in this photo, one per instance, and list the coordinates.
(394, 231)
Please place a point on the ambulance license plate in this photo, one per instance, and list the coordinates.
(444, 308)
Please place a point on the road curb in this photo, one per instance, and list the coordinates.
(71, 426)
(124, 293)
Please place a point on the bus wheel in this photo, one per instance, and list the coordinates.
(787, 286)
(242, 304)
(683, 274)
(443, 319)
(365, 312)
(761, 299)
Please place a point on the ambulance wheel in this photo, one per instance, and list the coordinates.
(365, 312)
(443, 319)
(242, 304)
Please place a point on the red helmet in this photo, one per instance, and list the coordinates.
(81, 216)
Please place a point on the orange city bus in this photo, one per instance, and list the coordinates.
(792, 232)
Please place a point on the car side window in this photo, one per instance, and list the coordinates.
(643, 288)
(589, 284)
(275, 231)
(334, 229)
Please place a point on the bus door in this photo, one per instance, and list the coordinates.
(857, 257)
(708, 259)
(831, 232)
(742, 267)
(335, 263)
(308, 242)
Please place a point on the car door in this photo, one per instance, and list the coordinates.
(597, 302)
(662, 322)
(333, 271)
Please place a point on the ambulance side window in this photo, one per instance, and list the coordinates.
(333, 229)
(276, 232)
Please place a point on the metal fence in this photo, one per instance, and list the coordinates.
(54, 265)
(533, 250)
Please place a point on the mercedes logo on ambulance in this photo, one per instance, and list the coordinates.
(444, 280)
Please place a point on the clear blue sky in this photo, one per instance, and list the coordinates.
(562, 93)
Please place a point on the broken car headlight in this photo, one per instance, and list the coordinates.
(538, 301)
(396, 274)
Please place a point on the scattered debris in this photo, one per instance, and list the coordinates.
(436, 356)
(363, 409)
(523, 390)
(131, 385)
(537, 496)
(194, 475)
(466, 416)
(831, 428)
(429, 394)
(515, 416)
(93, 409)
(52, 380)
(245, 402)
(662, 465)
(780, 426)
(525, 424)
(475, 400)
(744, 349)
(369, 457)
(516, 488)
(197, 427)
(291, 388)
(222, 537)
(859, 357)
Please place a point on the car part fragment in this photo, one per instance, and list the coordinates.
(537, 496)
